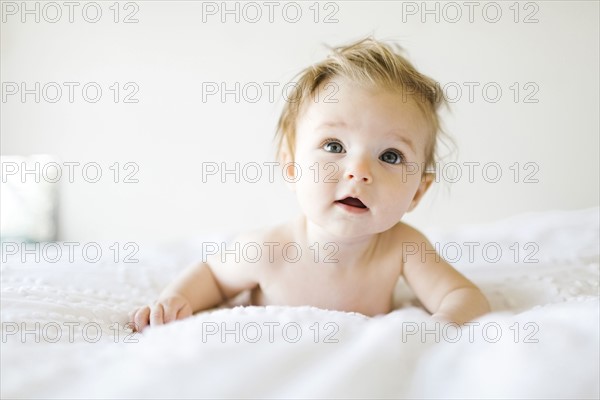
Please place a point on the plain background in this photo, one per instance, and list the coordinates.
(544, 57)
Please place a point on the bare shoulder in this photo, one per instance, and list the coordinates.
(241, 264)
(262, 248)
(267, 236)
(408, 235)
(411, 246)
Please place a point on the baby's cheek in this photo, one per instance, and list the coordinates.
(393, 212)
(307, 190)
(409, 184)
(399, 201)
(320, 170)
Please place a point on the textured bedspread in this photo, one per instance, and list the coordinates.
(64, 334)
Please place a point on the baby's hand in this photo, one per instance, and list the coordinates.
(166, 309)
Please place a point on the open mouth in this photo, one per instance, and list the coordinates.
(352, 202)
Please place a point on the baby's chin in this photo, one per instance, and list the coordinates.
(349, 230)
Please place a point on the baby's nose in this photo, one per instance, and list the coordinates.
(359, 171)
(360, 177)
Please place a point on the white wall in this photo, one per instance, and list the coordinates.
(170, 52)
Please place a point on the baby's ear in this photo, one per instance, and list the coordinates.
(426, 181)
(288, 168)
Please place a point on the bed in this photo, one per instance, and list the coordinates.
(64, 332)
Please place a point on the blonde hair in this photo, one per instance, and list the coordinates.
(371, 62)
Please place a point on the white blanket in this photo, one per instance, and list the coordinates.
(541, 341)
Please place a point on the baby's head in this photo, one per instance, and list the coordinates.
(368, 63)
(362, 128)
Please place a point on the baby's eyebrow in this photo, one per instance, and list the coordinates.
(332, 124)
(399, 136)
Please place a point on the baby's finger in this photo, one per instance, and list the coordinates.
(141, 318)
(184, 312)
(170, 312)
(156, 314)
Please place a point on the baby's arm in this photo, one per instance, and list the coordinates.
(195, 289)
(199, 287)
(444, 292)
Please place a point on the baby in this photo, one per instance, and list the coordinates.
(356, 139)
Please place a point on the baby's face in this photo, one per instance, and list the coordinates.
(359, 147)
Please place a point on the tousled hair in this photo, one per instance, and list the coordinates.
(368, 62)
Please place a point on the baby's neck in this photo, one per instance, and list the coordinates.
(348, 251)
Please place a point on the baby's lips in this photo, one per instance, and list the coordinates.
(352, 201)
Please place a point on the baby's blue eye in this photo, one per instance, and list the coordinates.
(391, 157)
(333, 147)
